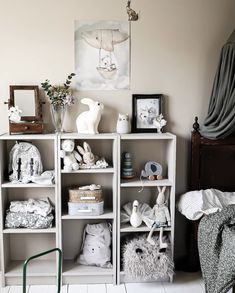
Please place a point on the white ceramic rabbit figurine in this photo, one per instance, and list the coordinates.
(88, 121)
(162, 217)
(87, 156)
(135, 219)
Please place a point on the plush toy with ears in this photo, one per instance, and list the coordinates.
(162, 217)
(69, 155)
(87, 156)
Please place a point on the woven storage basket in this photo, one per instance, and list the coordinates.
(85, 196)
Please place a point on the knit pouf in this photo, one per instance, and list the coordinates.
(143, 261)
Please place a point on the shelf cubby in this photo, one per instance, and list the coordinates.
(20, 243)
(145, 147)
(20, 246)
(72, 227)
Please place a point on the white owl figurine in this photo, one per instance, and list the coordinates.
(123, 124)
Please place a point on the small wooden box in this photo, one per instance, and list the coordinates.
(26, 127)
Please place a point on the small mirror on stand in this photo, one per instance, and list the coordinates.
(25, 109)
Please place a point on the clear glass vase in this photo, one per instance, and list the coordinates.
(58, 113)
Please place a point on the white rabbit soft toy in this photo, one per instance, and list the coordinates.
(161, 217)
(88, 121)
(70, 156)
(88, 157)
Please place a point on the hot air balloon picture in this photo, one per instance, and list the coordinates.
(102, 55)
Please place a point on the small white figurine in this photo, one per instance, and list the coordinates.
(123, 123)
(135, 218)
(162, 217)
(159, 122)
(14, 114)
(70, 156)
(87, 156)
(90, 187)
(88, 121)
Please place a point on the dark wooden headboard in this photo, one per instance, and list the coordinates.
(212, 162)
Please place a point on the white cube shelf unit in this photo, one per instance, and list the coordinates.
(19, 244)
(104, 145)
(145, 147)
(67, 232)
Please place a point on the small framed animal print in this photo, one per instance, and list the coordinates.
(145, 109)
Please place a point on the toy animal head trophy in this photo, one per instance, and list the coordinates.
(88, 121)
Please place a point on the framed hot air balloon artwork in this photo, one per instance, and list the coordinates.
(102, 55)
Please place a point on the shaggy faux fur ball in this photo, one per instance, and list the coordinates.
(143, 261)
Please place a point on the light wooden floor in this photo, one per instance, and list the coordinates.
(183, 283)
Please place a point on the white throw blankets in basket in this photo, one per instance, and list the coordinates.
(34, 214)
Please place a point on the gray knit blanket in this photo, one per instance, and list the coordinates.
(216, 244)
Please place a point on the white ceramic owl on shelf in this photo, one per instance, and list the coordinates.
(123, 124)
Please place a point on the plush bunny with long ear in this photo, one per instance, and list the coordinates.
(87, 156)
(162, 217)
(70, 157)
(88, 121)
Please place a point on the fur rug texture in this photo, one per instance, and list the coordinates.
(143, 261)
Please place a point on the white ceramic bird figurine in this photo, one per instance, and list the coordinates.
(136, 218)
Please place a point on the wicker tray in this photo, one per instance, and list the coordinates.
(85, 196)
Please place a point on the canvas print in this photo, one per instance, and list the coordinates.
(102, 55)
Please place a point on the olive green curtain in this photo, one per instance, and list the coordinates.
(220, 120)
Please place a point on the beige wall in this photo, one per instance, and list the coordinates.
(175, 51)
